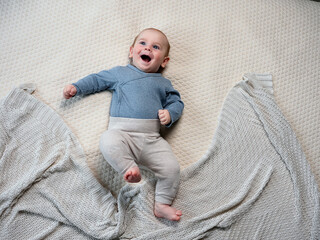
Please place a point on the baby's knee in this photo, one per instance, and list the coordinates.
(173, 169)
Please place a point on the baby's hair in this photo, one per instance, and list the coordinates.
(154, 29)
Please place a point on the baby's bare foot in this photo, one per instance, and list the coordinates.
(167, 212)
(132, 175)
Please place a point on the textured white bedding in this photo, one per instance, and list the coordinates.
(52, 43)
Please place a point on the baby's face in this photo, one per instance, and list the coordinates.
(149, 51)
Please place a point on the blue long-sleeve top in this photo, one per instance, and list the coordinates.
(135, 94)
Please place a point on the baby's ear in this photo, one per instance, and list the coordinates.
(165, 62)
(131, 52)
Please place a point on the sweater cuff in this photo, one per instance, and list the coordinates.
(78, 89)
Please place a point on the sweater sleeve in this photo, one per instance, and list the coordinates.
(174, 105)
(93, 83)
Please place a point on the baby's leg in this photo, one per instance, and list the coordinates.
(166, 189)
(115, 148)
(158, 157)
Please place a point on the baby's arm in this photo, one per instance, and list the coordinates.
(93, 83)
(173, 105)
(69, 91)
(164, 116)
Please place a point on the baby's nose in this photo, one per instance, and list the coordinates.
(147, 47)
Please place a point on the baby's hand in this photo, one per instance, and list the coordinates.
(69, 91)
(164, 116)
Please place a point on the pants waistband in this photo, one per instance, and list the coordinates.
(134, 124)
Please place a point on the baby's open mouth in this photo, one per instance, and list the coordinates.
(145, 58)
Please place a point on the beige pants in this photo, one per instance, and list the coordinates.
(131, 142)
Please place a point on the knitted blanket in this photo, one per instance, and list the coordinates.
(253, 183)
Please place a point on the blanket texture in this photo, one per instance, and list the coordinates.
(253, 183)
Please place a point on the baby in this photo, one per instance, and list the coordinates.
(142, 99)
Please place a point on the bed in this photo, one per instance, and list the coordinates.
(218, 49)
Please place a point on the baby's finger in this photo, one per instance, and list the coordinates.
(65, 93)
(161, 114)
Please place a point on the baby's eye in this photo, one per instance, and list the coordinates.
(156, 47)
(142, 43)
